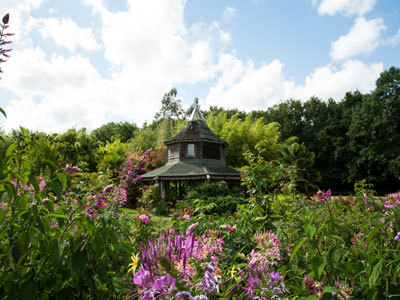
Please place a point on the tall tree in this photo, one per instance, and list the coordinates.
(374, 134)
(171, 107)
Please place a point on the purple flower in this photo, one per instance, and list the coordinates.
(191, 229)
(184, 293)
(316, 287)
(142, 278)
(388, 204)
(328, 193)
(210, 281)
(164, 285)
(275, 276)
(144, 219)
(397, 237)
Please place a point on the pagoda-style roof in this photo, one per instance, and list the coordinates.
(195, 153)
(196, 130)
(192, 170)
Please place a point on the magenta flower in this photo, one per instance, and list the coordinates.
(275, 276)
(388, 204)
(144, 219)
(323, 196)
(142, 278)
(316, 287)
(186, 217)
(191, 229)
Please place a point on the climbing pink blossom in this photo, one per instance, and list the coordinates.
(144, 218)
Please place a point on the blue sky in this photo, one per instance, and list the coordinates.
(83, 63)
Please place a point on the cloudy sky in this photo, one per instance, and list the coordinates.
(83, 63)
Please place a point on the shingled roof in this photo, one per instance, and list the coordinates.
(199, 165)
(192, 170)
(196, 130)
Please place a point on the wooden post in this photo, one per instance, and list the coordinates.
(162, 187)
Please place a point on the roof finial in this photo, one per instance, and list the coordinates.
(196, 113)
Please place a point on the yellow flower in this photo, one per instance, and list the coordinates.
(218, 272)
(233, 273)
(133, 265)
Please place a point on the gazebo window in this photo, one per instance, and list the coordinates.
(190, 150)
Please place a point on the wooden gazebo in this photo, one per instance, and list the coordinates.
(194, 154)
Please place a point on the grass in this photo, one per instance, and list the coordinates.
(163, 222)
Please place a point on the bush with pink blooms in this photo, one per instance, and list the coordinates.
(62, 236)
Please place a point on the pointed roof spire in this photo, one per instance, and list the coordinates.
(196, 113)
(196, 129)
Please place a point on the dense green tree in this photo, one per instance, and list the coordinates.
(111, 156)
(301, 160)
(78, 148)
(144, 140)
(374, 134)
(111, 132)
(171, 107)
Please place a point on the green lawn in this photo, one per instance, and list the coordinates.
(161, 221)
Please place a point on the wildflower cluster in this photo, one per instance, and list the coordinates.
(344, 288)
(179, 265)
(69, 168)
(315, 286)
(323, 196)
(262, 282)
(130, 171)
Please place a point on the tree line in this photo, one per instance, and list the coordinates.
(346, 141)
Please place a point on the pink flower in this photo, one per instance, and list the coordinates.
(144, 219)
(232, 229)
(186, 217)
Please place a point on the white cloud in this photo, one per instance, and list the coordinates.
(246, 87)
(229, 13)
(151, 50)
(393, 40)
(19, 16)
(345, 7)
(363, 38)
(329, 82)
(67, 33)
(67, 92)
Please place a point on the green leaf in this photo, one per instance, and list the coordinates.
(3, 213)
(22, 202)
(51, 163)
(79, 262)
(54, 251)
(56, 187)
(63, 180)
(318, 263)
(336, 237)
(331, 289)
(56, 216)
(34, 182)
(296, 248)
(119, 284)
(376, 271)
(10, 150)
(3, 112)
(24, 131)
(10, 189)
(28, 291)
(310, 231)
